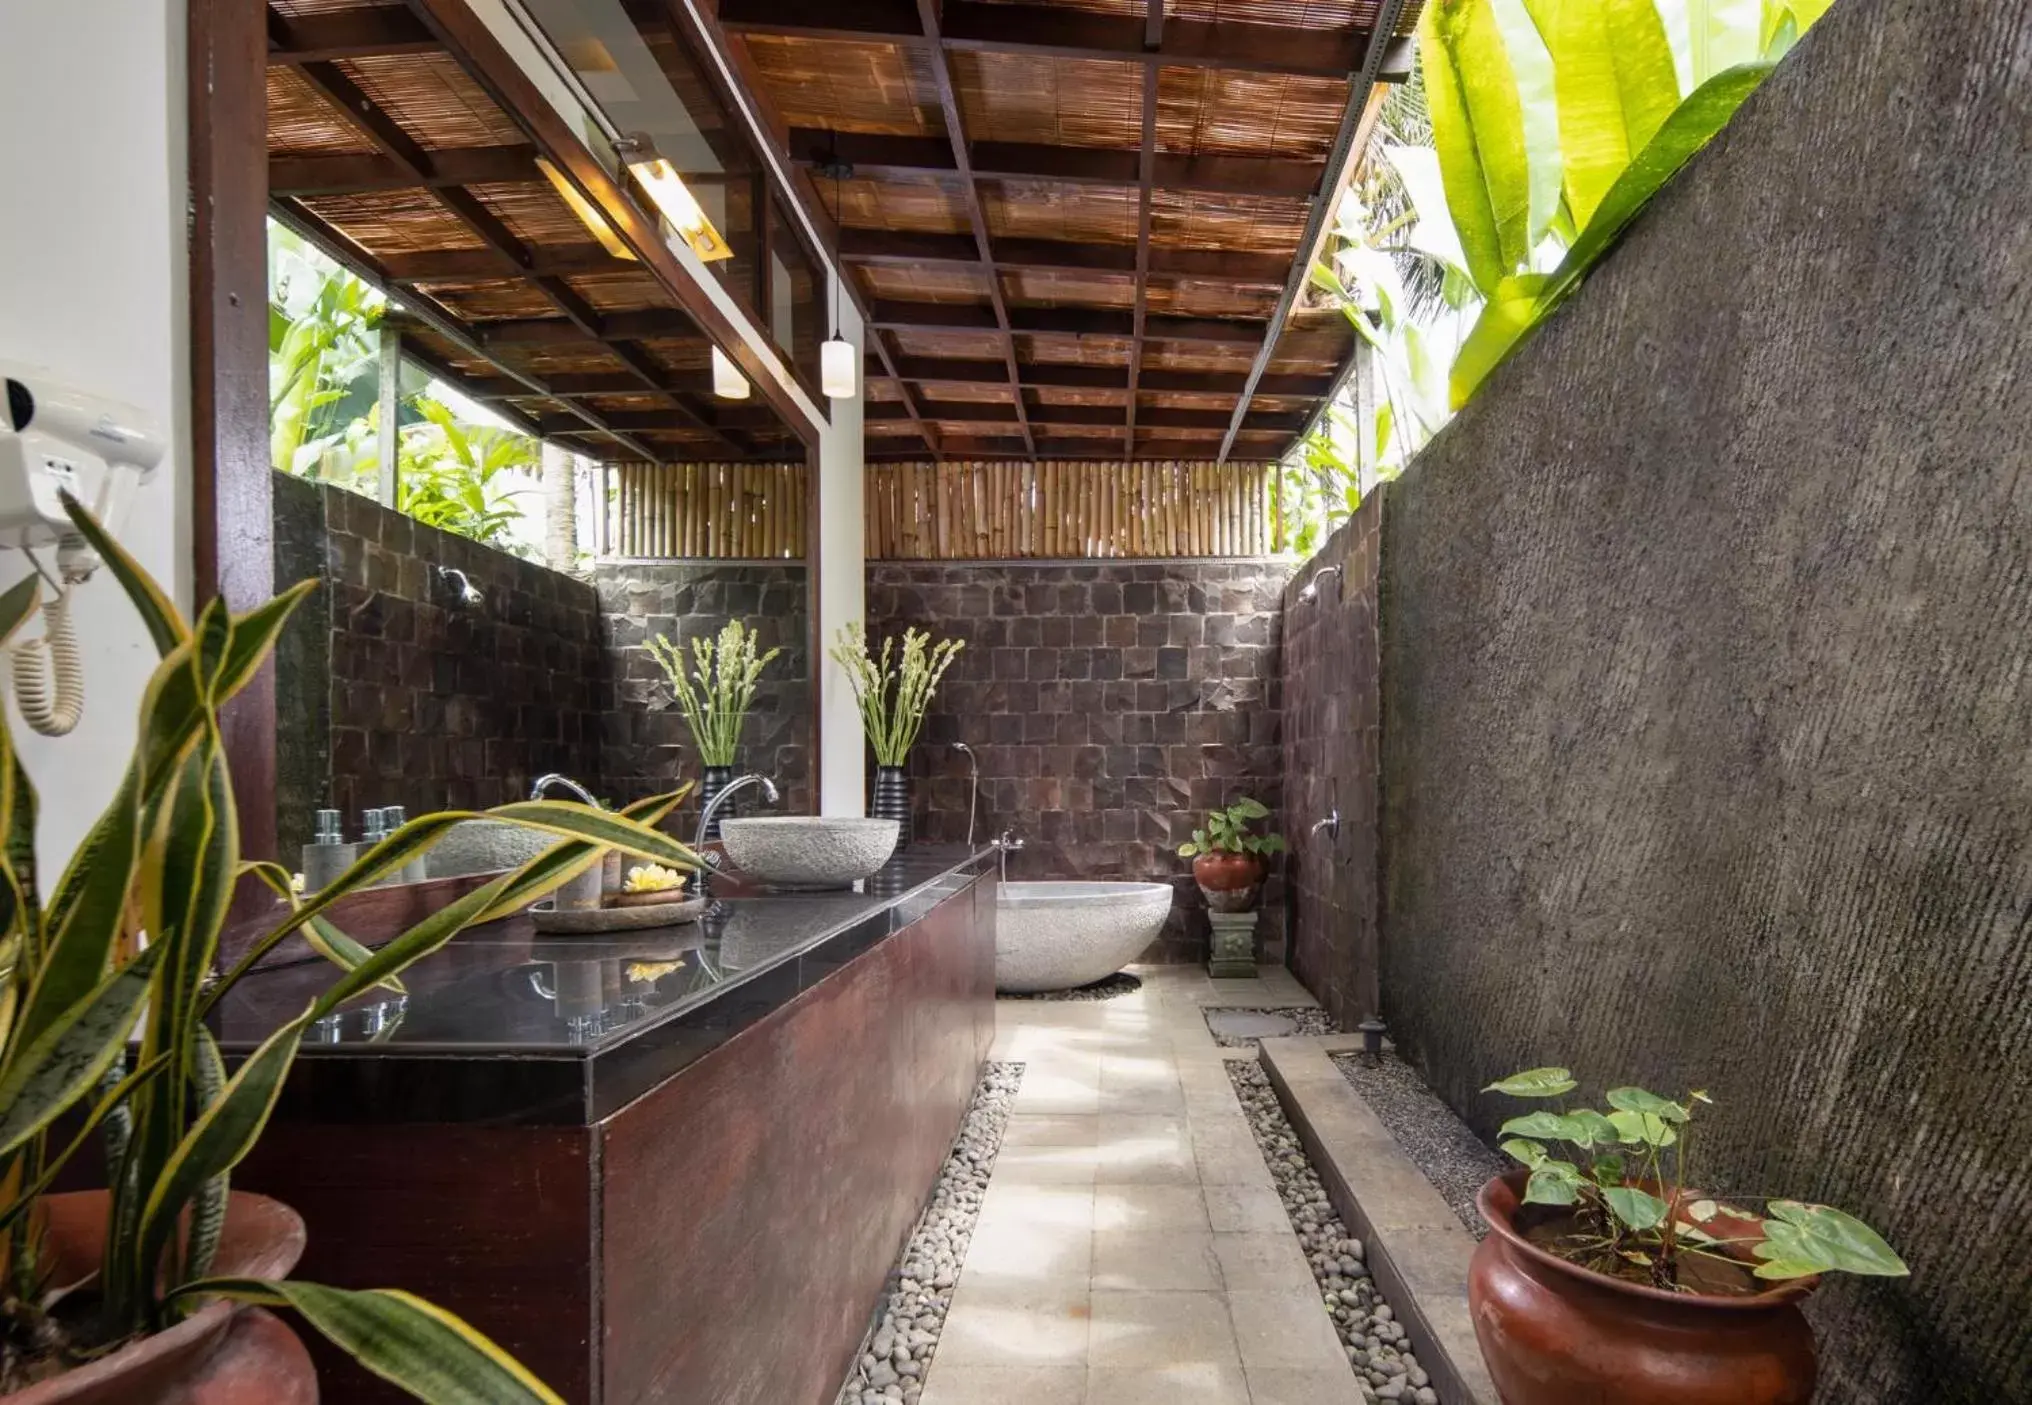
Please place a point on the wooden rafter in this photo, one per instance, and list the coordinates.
(910, 249)
(918, 157)
(956, 133)
(1103, 416)
(1071, 321)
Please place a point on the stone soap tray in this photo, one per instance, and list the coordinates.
(587, 921)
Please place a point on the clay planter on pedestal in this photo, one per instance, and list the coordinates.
(1555, 1333)
(224, 1354)
(1229, 882)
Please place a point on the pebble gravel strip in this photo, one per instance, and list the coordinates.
(1107, 988)
(1305, 1020)
(898, 1350)
(1438, 1143)
(1385, 1367)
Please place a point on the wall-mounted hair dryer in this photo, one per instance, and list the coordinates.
(55, 438)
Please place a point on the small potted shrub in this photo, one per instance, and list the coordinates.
(1227, 860)
(714, 698)
(893, 690)
(1606, 1276)
(157, 1290)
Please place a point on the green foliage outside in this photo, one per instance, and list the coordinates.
(324, 411)
(1533, 133)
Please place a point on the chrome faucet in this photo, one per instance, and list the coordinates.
(705, 819)
(1331, 824)
(1006, 844)
(556, 780)
(974, 795)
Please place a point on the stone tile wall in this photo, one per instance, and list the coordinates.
(1110, 704)
(1331, 735)
(645, 745)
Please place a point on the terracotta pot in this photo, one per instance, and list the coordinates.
(1555, 1333)
(225, 1354)
(1221, 872)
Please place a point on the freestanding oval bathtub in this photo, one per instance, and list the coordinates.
(1055, 936)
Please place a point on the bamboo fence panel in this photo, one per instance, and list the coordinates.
(711, 511)
(1060, 509)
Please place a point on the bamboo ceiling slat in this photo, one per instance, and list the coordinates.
(1062, 102)
(679, 356)
(532, 212)
(1060, 348)
(302, 123)
(1068, 395)
(925, 205)
(1198, 356)
(1180, 219)
(490, 301)
(1201, 297)
(394, 222)
(1083, 214)
(957, 344)
(566, 359)
(905, 284)
(1304, 14)
(619, 292)
(627, 404)
(1225, 112)
(1041, 288)
(435, 100)
(849, 86)
(291, 9)
(970, 392)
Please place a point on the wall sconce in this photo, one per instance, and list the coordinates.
(1309, 592)
(588, 213)
(667, 190)
(728, 382)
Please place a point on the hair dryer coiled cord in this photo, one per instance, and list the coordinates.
(49, 673)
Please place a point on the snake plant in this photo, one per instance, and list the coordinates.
(104, 991)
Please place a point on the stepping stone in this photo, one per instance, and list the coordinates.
(1250, 1024)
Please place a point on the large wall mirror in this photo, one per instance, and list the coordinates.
(513, 454)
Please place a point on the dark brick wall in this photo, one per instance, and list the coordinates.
(645, 745)
(1707, 683)
(1110, 704)
(1330, 757)
(429, 702)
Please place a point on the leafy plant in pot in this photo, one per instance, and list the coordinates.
(1227, 860)
(155, 1289)
(893, 690)
(715, 698)
(1608, 1276)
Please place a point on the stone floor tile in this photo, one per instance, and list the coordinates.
(1284, 1327)
(1150, 1207)
(1155, 1261)
(1036, 1206)
(1190, 1383)
(1012, 1251)
(1262, 1262)
(1015, 1324)
(1144, 1149)
(1245, 1209)
(1231, 1163)
(1047, 1129)
(1046, 1165)
(1283, 1385)
(1004, 1385)
(1159, 1329)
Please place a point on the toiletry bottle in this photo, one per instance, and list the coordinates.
(373, 829)
(393, 817)
(327, 855)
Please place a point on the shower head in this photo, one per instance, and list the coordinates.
(1310, 590)
(468, 593)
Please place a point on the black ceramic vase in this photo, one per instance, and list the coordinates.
(892, 800)
(717, 779)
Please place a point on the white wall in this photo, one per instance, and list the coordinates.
(93, 286)
(842, 590)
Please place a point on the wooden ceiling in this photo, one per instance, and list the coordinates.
(1076, 225)
(394, 155)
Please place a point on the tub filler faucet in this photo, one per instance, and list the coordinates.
(1006, 843)
(557, 781)
(705, 819)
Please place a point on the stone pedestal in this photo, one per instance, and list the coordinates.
(1233, 952)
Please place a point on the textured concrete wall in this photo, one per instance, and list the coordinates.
(1331, 740)
(1110, 704)
(1707, 683)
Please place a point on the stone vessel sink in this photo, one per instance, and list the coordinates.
(485, 846)
(808, 852)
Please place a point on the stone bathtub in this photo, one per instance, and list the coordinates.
(1055, 936)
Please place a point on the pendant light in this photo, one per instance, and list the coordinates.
(838, 360)
(728, 382)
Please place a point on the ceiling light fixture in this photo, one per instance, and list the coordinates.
(728, 382)
(667, 190)
(588, 213)
(838, 360)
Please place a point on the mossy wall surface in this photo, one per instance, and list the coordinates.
(1706, 683)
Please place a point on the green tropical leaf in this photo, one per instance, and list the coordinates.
(158, 612)
(1613, 72)
(1514, 307)
(1722, 34)
(49, 1072)
(1642, 1128)
(1637, 1100)
(1553, 1183)
(19, 605)
(1590, 1128)
(111, 1100)
(1638, 1209)
(86, 915)
(433, 1354)
(1547, 1126)
(1800, 1239)
(253, 639)
(1524, 1150)
(1478, 130)
(224, 1132)
(1535, 1083)
(319, 933)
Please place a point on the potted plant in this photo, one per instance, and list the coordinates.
(1607, 1276)
(1227, 860)
(715, 699)
(154, 1290)
(893, 692)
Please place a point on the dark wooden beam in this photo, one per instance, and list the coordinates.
(1147, 157)
(373, 32)
(929, 19)
(291, 176)
(479, 265)
(1186, 449)
(1210, 422)
(917, 157)
(1069, 321)
(649, 325)
(911, 249)
(492, 389)
(1061, 33)
(933, 370)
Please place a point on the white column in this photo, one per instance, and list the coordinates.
(842, 578)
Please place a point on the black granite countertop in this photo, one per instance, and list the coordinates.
(508, 1025)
